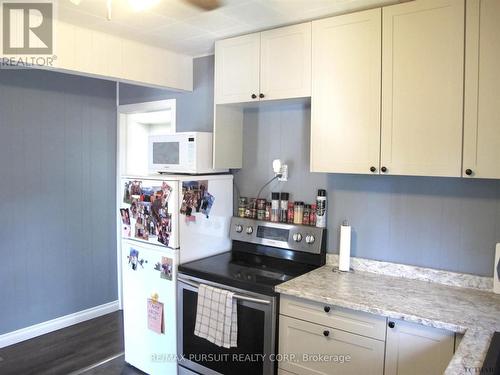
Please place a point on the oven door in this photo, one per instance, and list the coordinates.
(256, 333)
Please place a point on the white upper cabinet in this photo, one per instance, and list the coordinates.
(422, 88)
(237, 69)
(413, 349)
(285, 62)
(274, 64)
(345, 113)
(482, 95)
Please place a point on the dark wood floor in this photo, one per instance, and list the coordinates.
(69, 350)
(114, 367)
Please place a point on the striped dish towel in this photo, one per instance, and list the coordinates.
(216, 316)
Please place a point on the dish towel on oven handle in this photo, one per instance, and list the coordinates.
(216, 316)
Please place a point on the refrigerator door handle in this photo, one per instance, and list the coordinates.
(237, 296)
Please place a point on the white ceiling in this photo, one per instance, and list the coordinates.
(180, 27)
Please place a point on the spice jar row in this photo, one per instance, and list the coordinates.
(279, 210)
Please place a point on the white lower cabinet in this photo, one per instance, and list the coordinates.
(413, 349)
(310, 348)
(319, 339)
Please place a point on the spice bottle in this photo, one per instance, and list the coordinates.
(261, 209)
(321, 206)
(307, 214)
(284, 207)
(290, 212)
(242, 206)
(298, 214)
(312, 215)
(268, 211)
(251, 211)
(275, 207)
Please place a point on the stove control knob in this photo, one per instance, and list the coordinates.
(297, 237)
(249, 230)
(238, 228)
(310, 239)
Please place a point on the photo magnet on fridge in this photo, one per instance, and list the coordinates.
(166, 268)
(125, 214)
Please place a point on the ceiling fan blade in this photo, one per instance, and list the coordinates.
(205, 4)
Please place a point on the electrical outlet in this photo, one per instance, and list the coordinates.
(284, 173)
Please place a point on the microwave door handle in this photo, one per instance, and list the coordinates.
(237, 296)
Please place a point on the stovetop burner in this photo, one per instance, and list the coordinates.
(245, 271)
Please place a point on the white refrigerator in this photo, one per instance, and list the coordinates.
(165, 220)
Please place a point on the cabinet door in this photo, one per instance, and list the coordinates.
(316, 349)
(285, 62)
(482, 98)
(345, 118)
(237, 66)
(422, 87)
(413, 349)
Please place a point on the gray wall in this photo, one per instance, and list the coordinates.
(195, 110)
(57, 206)
(445, 223)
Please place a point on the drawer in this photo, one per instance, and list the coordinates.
(357, 322)
(314, 349)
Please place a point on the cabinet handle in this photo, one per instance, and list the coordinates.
(392, 324)
(373, 169)
(383, 169)
(261, 95)
(326, 333)
(254, 96)
(468, 172)
(327, 309)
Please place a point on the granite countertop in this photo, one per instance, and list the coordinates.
(474, 313)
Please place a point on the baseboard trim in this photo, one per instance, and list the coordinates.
(39, 329)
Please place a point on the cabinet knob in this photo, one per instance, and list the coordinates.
(383, 169)
(261, 95)
(326, 333)
(373, 169)
(468, 172)
(254, 96)
(392, 324)
(327, 309)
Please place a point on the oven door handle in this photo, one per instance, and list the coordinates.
(237, 296)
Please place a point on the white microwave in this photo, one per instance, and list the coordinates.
(189, 153)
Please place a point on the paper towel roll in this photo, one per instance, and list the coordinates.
(345, 247)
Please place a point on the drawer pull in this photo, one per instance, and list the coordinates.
(326, 333)
(392, 324)
(327, 309)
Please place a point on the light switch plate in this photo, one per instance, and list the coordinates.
(496, 271)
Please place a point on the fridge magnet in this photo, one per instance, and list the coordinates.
(126, 193)
(133, 259)
(167, 190)
(155, 316)
(132, 191)
(207, 203)
(134, 207)
(135, 189)
(147, 194)
(166, 268)
(125, 214)
(126, 230)
(140, 228)
(193, 194)
(163, 230)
